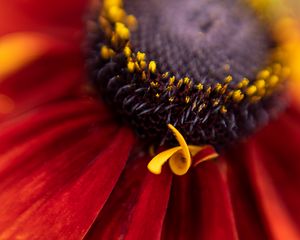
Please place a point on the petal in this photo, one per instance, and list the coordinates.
(245, 209)
(55, 71)
(60, 169)
(200, 206)
(137, 206)
(273, 163)
(156, 163)
(59, 18)
(19, 49)
(272, 205)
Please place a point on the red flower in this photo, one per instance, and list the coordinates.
(69, 171)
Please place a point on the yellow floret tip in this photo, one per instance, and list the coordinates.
(130, 66)
(251, 90)
(106, 52)
(152, 66)
(140, 56)
(131, 22)
(237, 96)
(116, 14)
(127, 51)
(122, 31)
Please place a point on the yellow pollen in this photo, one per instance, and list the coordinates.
(243, 83)
(171, 80)
(251, 90)
(171, 99)
(273, 81)
(208, 91)
(143, 64)
(131, 22)
(228, 79)
(201, 107)
(186, 80)
(127, 51)
(263, 74)
(140, 56)
(165, 75)
(116, 14)
(130, 66)
(106, 52)
(144, 76)
(112, 3)
(154, 84)
(216, 102)
(223, 109)
(218, 87)
(237, 96)
(187, 99)
(200, 86)
(260, 84)
(122, 31)
(137, 66)
(152, 66)
(179, 84)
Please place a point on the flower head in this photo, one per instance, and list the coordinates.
(71, 165)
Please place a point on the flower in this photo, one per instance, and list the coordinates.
(69, 170)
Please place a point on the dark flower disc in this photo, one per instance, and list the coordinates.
(208, 67)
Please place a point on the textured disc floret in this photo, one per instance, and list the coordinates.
(209, 68)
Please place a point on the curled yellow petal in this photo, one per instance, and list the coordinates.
(179, 164)
(180, 157)
(155, 165)
(182, 143)
(19, 49)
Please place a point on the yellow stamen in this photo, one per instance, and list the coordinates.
(172, 80)
(131, 22)
(106, 52)
(140, 56)
(228, 79)
(237, 96)
(116, 14)
(122, 31)
(130, 66)
(152, 66)
(200, 86)
(263, 74)
(251, 90)
(111, 3)
(127, 51)
(223, 109)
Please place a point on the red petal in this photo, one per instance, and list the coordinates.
(246, 212)
(274, 169)
(200, 206)
(137, 206)
(60, 18)
(264, 180)
(56, 177)
(57, 73)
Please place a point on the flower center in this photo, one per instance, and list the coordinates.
(208, 68)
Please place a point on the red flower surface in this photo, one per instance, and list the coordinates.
(69, 171)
